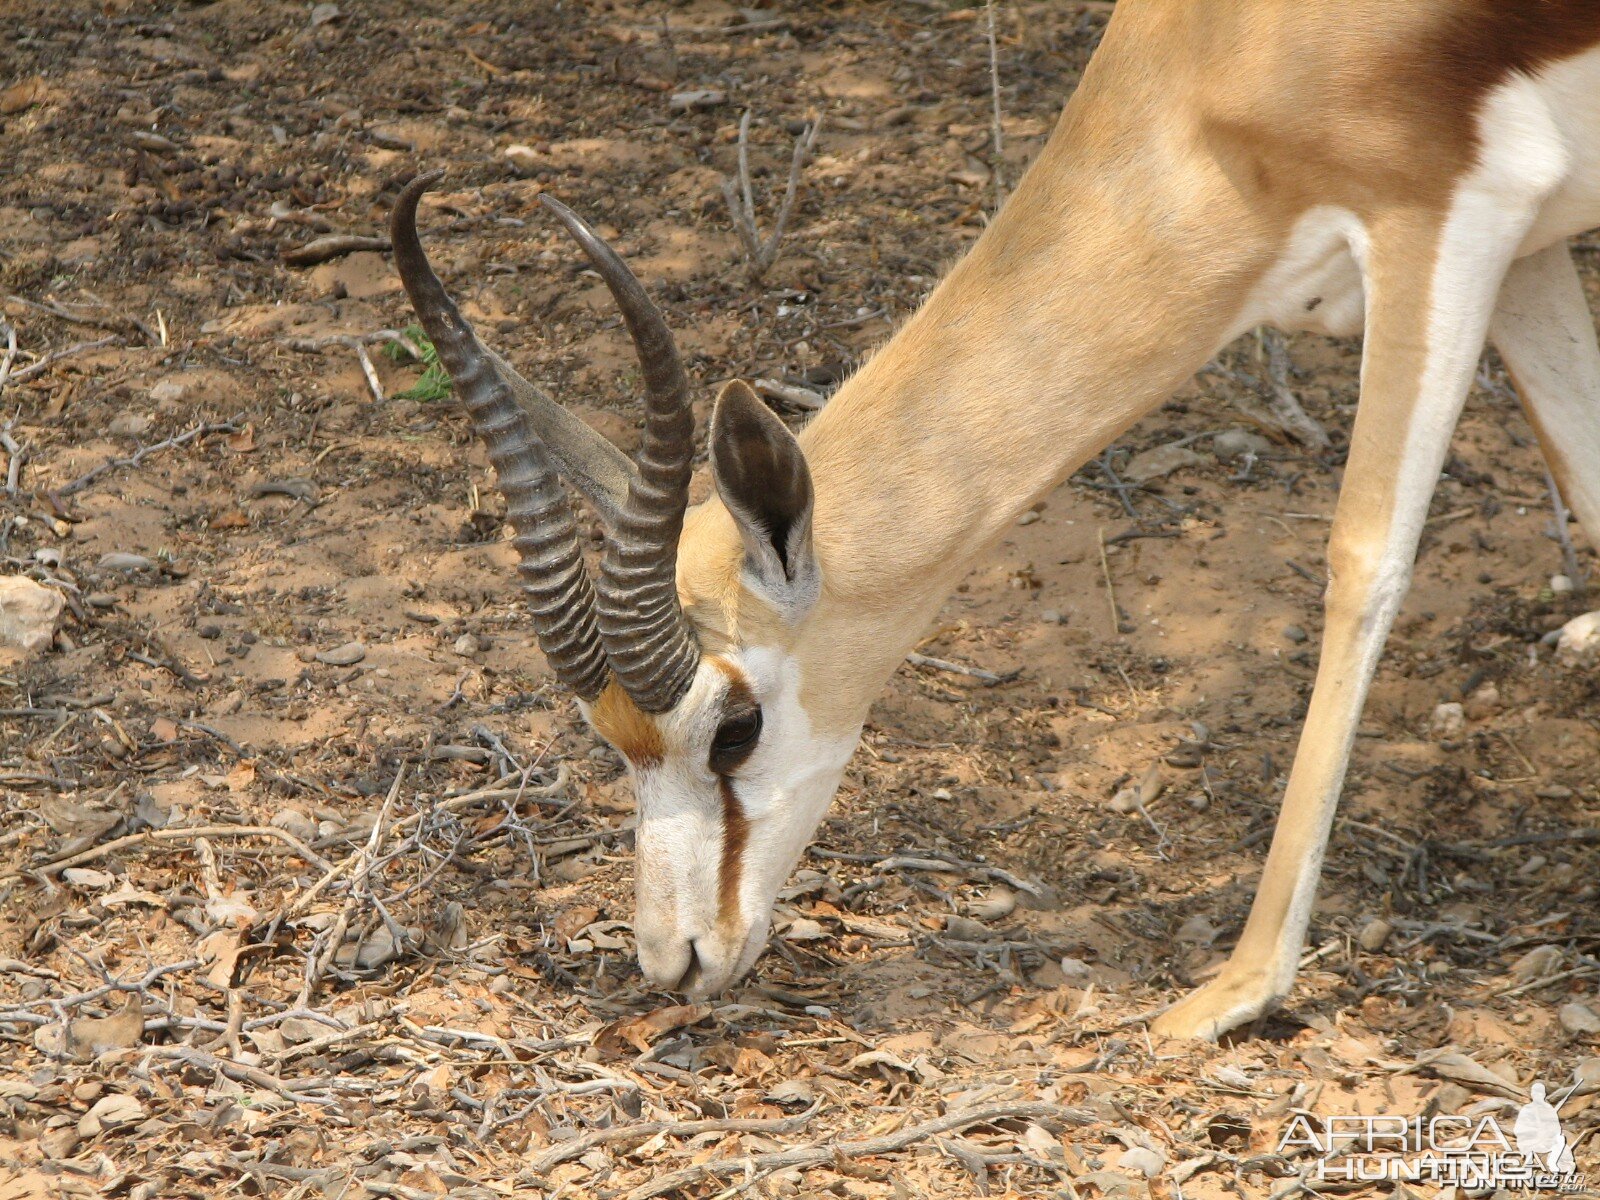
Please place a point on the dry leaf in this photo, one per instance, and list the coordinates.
(87, 877)
(244, 441)
(165, 729)
(1537, 963)
(567, 924)
(1468, 1072)
(22, 95)
(241, 777)
(232, 519)
(639, 1032)
(221, 950)
(109, 1112)
(128, 894)
(95, 1036)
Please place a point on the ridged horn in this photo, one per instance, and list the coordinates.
(648, 639)
(561, 598)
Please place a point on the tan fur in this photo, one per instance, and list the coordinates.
(620, 721)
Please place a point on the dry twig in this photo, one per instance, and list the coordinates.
(1559, 514)
(61, 312)
(579, 1146)
(996, 166)
(42, 365)
(740, 198)
(812, 1156)
(987, 678)
(335, 245)
(1281, 400)
(175, 835)
(133, 460)
(790, 393)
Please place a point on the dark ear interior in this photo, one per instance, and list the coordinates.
(762, 477)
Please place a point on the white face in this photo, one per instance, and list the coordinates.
(724, 816)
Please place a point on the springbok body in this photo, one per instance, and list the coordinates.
(1410, 170)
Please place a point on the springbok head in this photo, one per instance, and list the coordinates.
(688, 652)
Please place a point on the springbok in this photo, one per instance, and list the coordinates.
(1407, 169)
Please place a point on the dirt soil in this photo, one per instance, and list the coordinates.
(313, 884)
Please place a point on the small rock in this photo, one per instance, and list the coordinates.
(1578, 643)
(1579, 1018)
(296, 489)
(1533, 866)
(172, 389)
(119, 560)
(965, 929)
(996, 906)
(1236, 443)
(1051, 616)
(210, 631)
(1197, 931)
(1028, 518)
(1448, 720)
(1163, 460)
(466, 645)
(1374, 934)
(322, 14)
(1076, 972)
(370, 952)
(1295, 634)
(1145, 1161)
(28, 614)
(1483, 703)
(129, 425)
(1126, 800)
(300, 1029)
(1561, 585)
(522, 159)
(346, 655)
(295, 823)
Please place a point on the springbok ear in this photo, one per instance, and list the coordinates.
(763, 479)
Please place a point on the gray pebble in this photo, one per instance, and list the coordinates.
(343, 656)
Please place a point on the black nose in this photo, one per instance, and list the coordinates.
(691, 973)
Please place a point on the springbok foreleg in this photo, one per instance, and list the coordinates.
(1430, 292)
(1545, 333)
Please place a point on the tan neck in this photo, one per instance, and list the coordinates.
(1077, 312)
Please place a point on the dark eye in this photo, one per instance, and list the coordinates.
(735, 738)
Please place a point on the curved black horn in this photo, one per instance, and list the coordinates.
(648, 640)
(560, 595)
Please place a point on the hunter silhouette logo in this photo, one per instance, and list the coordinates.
(1538, 1133)
(1449, 1150)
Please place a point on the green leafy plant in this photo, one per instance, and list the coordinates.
(434, 383)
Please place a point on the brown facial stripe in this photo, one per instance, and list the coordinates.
(735, 834)
(735, 826)
(739, 694)
(619, 720)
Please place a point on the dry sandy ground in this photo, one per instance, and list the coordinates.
(496, 1038)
